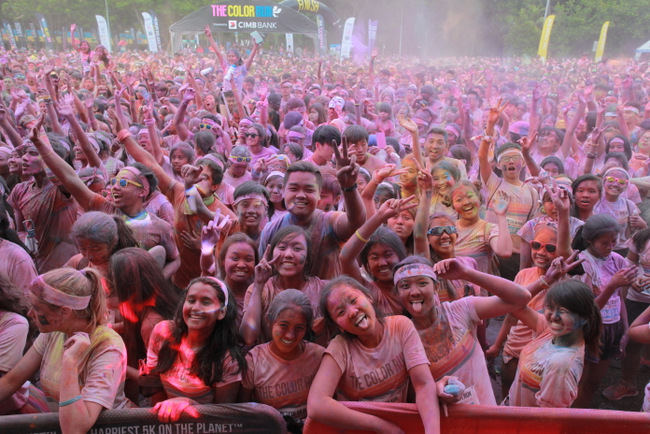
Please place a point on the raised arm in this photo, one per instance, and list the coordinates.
(569, 136)
(65, 174)
(526, 144)
(214, 46)
(502, 245)
(179, 117)
(483, 150)
(507, 294)
(249, 61)
(421, 227)
(355, 212)
(8, 127)
(150, 122)
(65, 108)
(252, 323)
(410, 126)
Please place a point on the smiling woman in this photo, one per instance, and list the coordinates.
(197, 355)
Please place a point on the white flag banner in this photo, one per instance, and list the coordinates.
(104, 36)
(346, 43)
(151, 33)
(289, 42)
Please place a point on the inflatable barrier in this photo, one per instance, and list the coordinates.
(250, 418)
(488, 419)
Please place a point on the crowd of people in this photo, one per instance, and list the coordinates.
(237, 225)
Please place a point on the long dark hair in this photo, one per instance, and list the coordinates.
(578, 298)
(574, 187)
(640, 239)
(6, 232)
(208, 361)
(13, 300)
(137, 281)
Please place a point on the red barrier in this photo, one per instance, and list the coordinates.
(488, 419)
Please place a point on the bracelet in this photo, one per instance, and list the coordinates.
(124, 134)
(591, 155)
(544, 282)
(349, 189)
(363, 240)
(69, 401)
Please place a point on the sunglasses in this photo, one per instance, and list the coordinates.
(438, 230)
(251, 135)
(206, 126)
(536, 245)
(511, 158)
(239, 159)
(124, 182)
(612, 180)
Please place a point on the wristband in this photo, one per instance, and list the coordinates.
(591, 155)
(544, 282)
(363, 240)
(69, 401)
(350, 188)
(122, 135)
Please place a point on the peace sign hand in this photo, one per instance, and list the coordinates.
(347, 169)
(559, 267)
(393, 207)
(264, 270)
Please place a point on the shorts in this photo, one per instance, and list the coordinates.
(610, 341)
(634, 308)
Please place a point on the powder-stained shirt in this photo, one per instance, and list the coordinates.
(282, 384)
(523, 204)
(378, 374)
(474, 242)
(103, 367)
(178, 381)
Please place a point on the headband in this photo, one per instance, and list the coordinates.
(141, 178)
(212, 158)
(253, 196)
(295, 134)
(5, 150)
(611, 114)
(411, 270)
(632, 109)
(452, 129)
(511, 151)
(620, 169)
(50, 294)
(224, 290)
(617, 140)
(274, 173)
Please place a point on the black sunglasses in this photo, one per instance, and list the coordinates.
(251, 135)
(438, 230)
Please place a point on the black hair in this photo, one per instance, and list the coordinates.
(595, 226)
(553, 160)
(355, 134)
(297, 230)
(621, 158)
(253, 187)
(576, 184)
(147, 173)
(215, 169)
(205, 141)
(325, 134)
(304, 166)
(578, 298)
(640, 239)
(383, 235)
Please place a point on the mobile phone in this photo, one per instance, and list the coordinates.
(381, 139)
(258, 37)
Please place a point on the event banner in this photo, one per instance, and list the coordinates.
(45, 31)
(10, 35)
(372, 35)
(20, 35)
(289, 42)
(322, 36)
(151, 33)
(546, 35)
(104, 35)
(346, 42)
(600, 48)
(156, 29)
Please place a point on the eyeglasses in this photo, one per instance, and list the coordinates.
(438, 230)
(536, 245)
(620, 181)
(124, 182)
(206, 126)
(239, 159)
(510, 158)
(251, 135)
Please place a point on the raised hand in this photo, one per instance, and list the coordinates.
(407, 123)
(393, 207)
(501, 203)
(526, 142)
(191, 174)
(387, 171)
(450, 269)
(495, 113)
(35, 133)
(560, 267)
(264, 270)
(560, 198)
(211, 233)
(207, 31)
(188, 95)
(347, 169)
